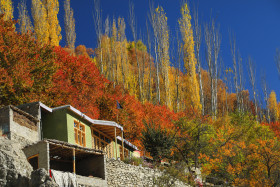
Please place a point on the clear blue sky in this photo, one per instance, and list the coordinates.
(255, 23)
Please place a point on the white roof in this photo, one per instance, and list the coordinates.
(127, 142)
(93, 121)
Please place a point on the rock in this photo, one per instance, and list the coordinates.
(15, 170)
(14, 167)
(41, 178)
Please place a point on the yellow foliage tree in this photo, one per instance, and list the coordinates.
(163, 52)
(273, 107)
(46, 25)
(52, 7)
(39, 14)
(6, 7)
(192, 90)
(25, 24)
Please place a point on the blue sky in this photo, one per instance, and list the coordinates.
(255, 23)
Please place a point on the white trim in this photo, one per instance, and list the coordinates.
(97, 122)
(127, 142)
(45, 107)
(107, 123)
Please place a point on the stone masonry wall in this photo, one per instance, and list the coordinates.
(126, 175)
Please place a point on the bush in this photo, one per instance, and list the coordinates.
(133, 161)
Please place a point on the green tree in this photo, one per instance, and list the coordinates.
(158, 142)
(193, 139)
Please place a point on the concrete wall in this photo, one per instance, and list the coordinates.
(41, 148)
(34, 110)
(22, 128)
(17, 125)
(31, 108)
(5, 121)
(70, 128)
(93, 165)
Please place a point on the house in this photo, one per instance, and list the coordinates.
(65, 141)
(66, 123)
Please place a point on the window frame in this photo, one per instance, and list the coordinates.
(80, 134)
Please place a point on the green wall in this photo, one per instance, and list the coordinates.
(54, 125)
(119, 144)
(70, 126)
(59, 125)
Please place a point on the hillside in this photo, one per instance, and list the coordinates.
(170, 107)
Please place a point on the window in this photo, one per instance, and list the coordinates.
(102, 142)
(79, 133)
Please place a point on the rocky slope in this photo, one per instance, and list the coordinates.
(15, 171)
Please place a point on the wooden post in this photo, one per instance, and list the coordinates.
(74, 161)
(116, 143)
(122, 147)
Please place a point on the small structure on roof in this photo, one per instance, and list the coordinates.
(16, 124)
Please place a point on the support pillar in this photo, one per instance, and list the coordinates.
(116, 143)
(122, 147)
(74, 161)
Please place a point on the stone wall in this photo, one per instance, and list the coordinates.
(90, 181)
(126, 175)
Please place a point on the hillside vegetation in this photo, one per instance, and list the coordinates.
(164, 101)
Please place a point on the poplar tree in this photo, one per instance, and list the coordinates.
(6, 8)
(132, 23)
(46, 25)
(24, 21)
(252, 77)
(52, 8)
(197, 40)
(272, 105)
(69, 23)
(192, 95)
(39, 14)
(162, 32)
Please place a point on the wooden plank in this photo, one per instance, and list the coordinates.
(116, 143)
(74, 161)
(122, 147)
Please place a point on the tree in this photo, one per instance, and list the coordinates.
(25, 24)
(197, 41)
(265, 91)
(213, 42)
(6, 8)
(158, 142)
(97, 17)
(69, 24)
(46, 25)
(132, 23)
(26, 67)
(192, 95)
(193, 138)
(162, 33)
(39, 14)
(272, 106)
(52, 8)
(252, 76)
